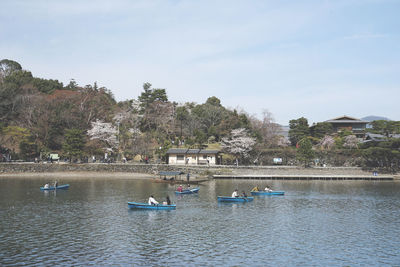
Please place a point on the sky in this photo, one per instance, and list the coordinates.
(313, 59)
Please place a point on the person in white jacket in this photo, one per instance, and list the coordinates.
(267, 189)
(235, 193)
(152, 201)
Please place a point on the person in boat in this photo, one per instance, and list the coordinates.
(180, 188)
(267, 189)
(46, 186)
(235, 193)
(255, 189)
(244, 194)
(56, 183)
(188, 187)
(152, 201)
(167, 202)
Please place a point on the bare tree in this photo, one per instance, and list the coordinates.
(268, 128)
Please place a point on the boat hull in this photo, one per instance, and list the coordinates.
(235, 199)
(63, 187)
(145, 206)
(266, 193)
(187, 191)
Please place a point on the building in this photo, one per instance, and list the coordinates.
(182, 156)
(372, 137)
(354, 125)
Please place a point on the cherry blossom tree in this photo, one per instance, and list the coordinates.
(327, 142)
(239, 143)
(105, 132)
(283, 141)
(350, 141)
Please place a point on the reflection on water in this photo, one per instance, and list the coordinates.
(322, 223)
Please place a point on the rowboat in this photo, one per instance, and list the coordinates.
(64, 186)
(267, 193)
(235, 199)
(188, 191)
(135, 205)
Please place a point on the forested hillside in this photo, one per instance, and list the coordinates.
(42, 116)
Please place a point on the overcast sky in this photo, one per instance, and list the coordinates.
(312, 59)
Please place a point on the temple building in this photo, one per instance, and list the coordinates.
(354, 125)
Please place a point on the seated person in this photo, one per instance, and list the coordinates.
(267, 189)
(235, 193)
(244, 194)
(46, 186)
(180, 188)
(255, 189)
(152, 201)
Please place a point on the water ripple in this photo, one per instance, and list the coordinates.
(314, 224)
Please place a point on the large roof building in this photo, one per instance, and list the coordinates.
(356, 126)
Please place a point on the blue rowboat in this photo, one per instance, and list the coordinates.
(64, 186)
(267, 193)
(135, 205)
(235, 199)
(188, 191)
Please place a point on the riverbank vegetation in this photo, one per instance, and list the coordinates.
(43, 117)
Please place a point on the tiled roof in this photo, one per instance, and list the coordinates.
(346, 119)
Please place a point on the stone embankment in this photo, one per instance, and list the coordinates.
(253, 172)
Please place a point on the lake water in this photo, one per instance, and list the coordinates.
(316, 223)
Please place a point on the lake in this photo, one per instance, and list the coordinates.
(316, 223)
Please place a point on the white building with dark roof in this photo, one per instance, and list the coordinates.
(182, 156)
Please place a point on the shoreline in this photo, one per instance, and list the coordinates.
(78, 175)
(145, 176)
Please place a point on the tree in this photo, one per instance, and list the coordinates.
(149, 96)
(304, 152)
(384, 158)
(350, 141)
(200, 138)
(385, 127)
(7, 67)
(28, 149)
(12, 136)
(283, 142)
(267, 129)
(298, 130)
(47, 86)
(142, 145)
(321, 129)
(160, 116)
(182, 115)
(12, 92)
(74, 143)
(105, 132)
(214, 101)
(327, 142)
(239, 144)
(209, 114)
